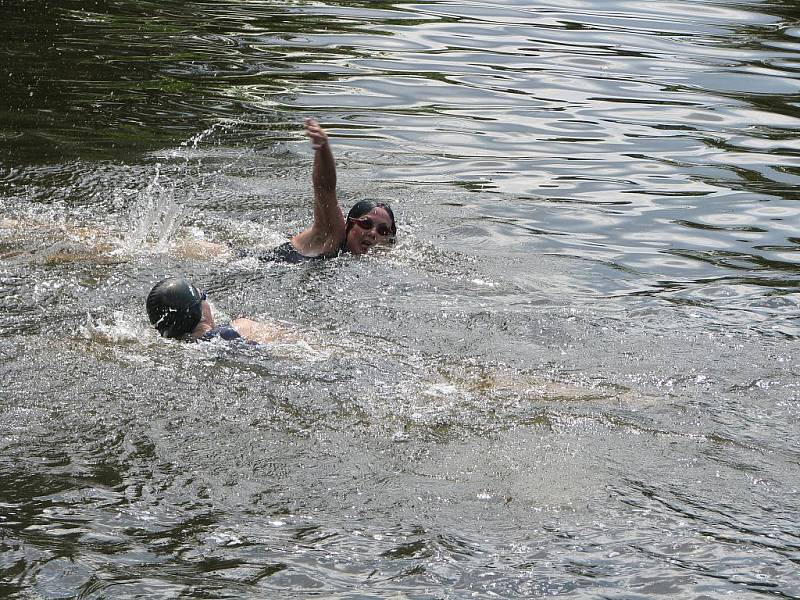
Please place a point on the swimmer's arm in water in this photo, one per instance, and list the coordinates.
(261, 332)
(254, 331)
(201, 249)
(325, 235)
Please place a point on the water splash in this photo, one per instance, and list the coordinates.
(117, 327)
(196, 139)
(154, 220)
(155, 216)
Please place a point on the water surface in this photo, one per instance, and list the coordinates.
(574, 375)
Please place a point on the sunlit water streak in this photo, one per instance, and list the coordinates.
(575, 373)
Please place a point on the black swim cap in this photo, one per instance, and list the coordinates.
(173, 306)
(362, 207)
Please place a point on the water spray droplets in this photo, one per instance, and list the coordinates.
(155, 218)
(114, 328)
(193, 141)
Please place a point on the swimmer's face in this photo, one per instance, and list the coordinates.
(369, 229)
(207, 316)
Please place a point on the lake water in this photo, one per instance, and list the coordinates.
(574, 375)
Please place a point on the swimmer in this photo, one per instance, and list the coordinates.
(367, 223)
(178, 310)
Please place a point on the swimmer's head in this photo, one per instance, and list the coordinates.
(368, 223)
(174, 307)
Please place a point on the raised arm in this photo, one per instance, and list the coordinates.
(326, 234)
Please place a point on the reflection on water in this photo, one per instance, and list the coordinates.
(574, 374)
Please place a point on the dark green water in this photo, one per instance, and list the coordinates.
(575, 374)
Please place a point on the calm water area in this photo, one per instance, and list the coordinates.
(574, 375)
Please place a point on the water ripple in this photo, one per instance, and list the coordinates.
(574, 374)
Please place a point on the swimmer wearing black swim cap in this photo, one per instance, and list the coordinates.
(179, 310)
(174, 307)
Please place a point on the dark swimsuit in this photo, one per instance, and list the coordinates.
(289, 254)
(284, 253)
(223, 332)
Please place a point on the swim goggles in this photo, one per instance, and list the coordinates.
(367, 223)
(202, 297)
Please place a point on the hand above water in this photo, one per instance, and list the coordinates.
(319, 139)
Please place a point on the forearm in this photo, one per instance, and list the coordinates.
(327, 213)
(323, 176)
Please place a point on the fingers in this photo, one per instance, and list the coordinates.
(317, 134)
